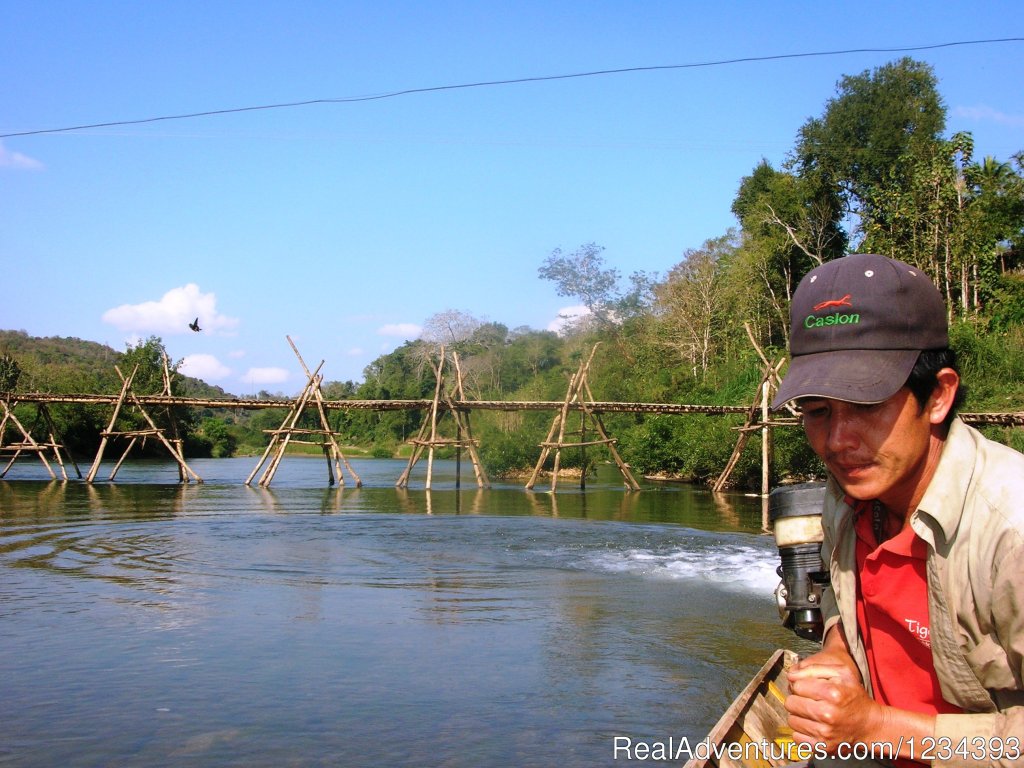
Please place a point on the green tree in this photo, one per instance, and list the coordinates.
(403, 374)
(220, 439)
(692, 307)
(996, 224)
(871, 135)
(790, 225)
(149, 356)
(529, 353)
(913, 194)
(10, 372)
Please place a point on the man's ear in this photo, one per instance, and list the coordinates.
(942, 397)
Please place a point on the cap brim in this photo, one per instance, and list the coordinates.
(851, 375)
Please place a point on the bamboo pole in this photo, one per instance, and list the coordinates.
(584, 443)
(463, 422)
(766, 439)
(326, 424)
(286, 437)
(57, 456)
(624, 470)
(34, 446)
(263, 458)
(745, 430)
(166, 443)
(292, 415)
(125, 385)
(296, 414)
(546, 445)
(562, 416)
(56, 438)
(470, 442)
(418, 442)
(557, 426)
(184, 471)
(330, 468)
(43, 418)
(117, 466)
(171, 421)
(438, 370)
(457, 390)
(10, 463)
(463, 431)
(583, 451)
(577, 385)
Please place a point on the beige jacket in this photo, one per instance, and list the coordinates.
(972, 517)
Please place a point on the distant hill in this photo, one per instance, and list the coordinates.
(69, 364)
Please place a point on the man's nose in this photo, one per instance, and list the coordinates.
(842, 432)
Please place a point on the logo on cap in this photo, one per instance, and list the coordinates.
(843, 302)
(836, 318)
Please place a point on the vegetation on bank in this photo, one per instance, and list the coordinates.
(873, 173)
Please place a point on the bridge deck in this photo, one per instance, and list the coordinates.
(1012, 418)
(373, 405)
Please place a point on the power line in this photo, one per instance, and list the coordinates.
(514, 81)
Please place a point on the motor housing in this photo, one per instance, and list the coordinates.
(795, 515)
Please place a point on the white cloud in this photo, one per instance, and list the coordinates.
(984, 114)
(355, 352)
(567, 317)
(401, 330)
(236, 354)
(266, 376)
(205, 367)
(18, 161)
(172, 313)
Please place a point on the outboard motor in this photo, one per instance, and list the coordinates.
(795, 515)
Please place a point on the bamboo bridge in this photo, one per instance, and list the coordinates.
(451, 403)
(1006, 419)
(242, 403)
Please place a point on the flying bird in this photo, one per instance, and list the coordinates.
(194, 325)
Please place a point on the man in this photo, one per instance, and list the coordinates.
(923, 652)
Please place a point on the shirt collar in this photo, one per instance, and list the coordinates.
(943, 499)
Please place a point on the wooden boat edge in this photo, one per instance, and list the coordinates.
(772, 670)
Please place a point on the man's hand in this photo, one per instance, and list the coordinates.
(828, 704)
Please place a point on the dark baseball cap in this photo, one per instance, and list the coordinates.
(857, 326)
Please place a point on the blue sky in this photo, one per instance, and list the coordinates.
(347, 225)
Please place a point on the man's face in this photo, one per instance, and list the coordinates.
(877, 451)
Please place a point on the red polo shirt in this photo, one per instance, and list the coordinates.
(892, 615)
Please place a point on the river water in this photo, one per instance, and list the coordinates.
(149, 623)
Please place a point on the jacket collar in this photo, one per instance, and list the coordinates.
(952, 477)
